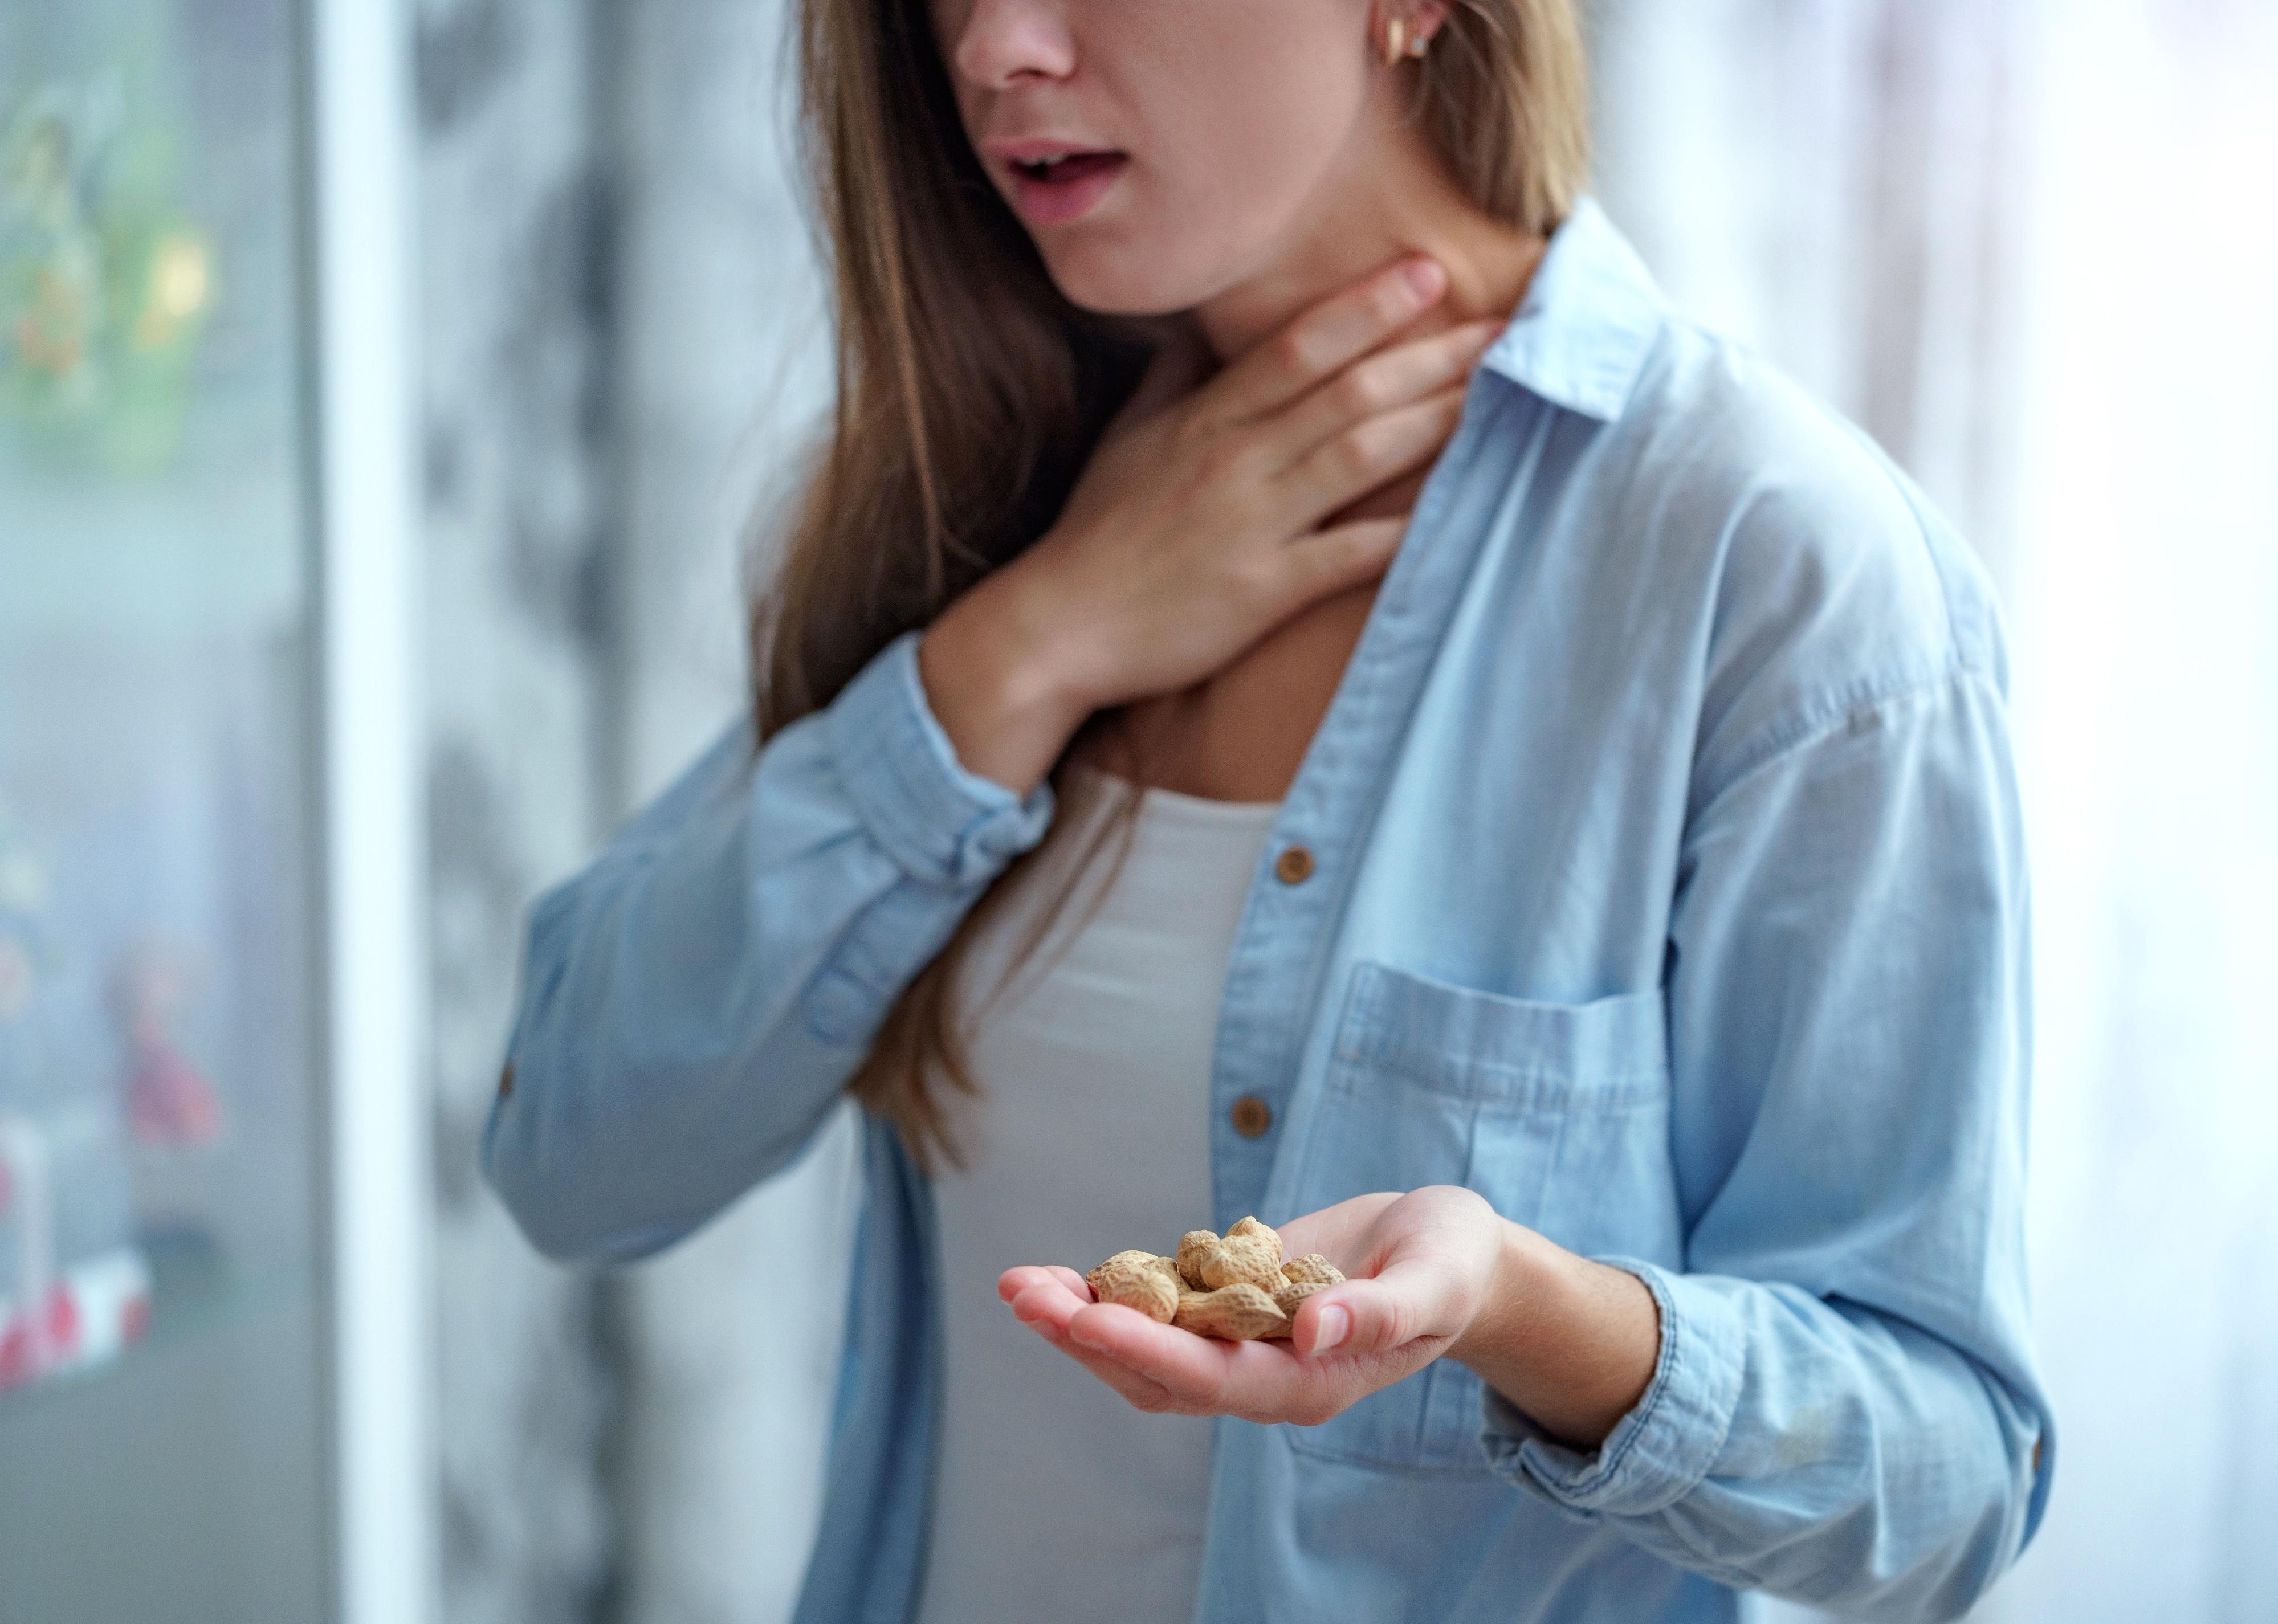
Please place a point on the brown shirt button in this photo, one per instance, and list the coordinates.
(506, 1082)
(1293, 864)
(1251, 1116)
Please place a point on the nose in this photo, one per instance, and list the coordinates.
(1004, 42)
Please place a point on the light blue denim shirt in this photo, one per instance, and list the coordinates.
(1667, 889)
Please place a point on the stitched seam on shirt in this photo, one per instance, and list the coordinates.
(1833, 716)
(1618, 1095)
(1962, 656)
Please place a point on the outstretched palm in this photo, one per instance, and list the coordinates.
(1419, 1266)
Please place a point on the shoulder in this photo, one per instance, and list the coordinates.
(1814, 576)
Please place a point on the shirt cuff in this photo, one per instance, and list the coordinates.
(1658, 1453)
(943, 822)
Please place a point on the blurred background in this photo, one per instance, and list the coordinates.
(386, 390)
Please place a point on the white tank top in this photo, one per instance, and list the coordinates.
(1058, 1500)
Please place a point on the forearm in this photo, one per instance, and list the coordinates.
(692, 1003)
(1572, 1343)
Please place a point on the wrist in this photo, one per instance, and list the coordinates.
(1516, 1281)
(1570, 1342)
(1007, 630)
(987, 679)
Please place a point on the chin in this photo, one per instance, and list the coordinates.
(1114, 278)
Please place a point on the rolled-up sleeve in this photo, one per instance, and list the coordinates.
(1846, 1409)
(693, 1002)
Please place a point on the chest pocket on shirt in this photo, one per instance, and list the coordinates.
(1557, 1114)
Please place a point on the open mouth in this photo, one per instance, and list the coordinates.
(1068, 170)
(1052, 191)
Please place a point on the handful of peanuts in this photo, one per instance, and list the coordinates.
(1237, 1286)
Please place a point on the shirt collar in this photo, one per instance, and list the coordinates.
(1592, 311)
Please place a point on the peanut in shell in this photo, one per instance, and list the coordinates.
(1136, 1280)
(1240, 1313)
(1192, 1247)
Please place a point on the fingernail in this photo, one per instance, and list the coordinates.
(1426, 278)
(1332, 1328)
(1075, 1333)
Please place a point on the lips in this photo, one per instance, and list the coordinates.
(1029, 149)
(1054, 182)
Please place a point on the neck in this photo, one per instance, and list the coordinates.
(1400, 201)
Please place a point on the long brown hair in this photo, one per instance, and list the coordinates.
(971, 391)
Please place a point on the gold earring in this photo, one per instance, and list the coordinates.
(1397, 44)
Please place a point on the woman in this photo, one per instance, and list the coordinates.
(1567, 870)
